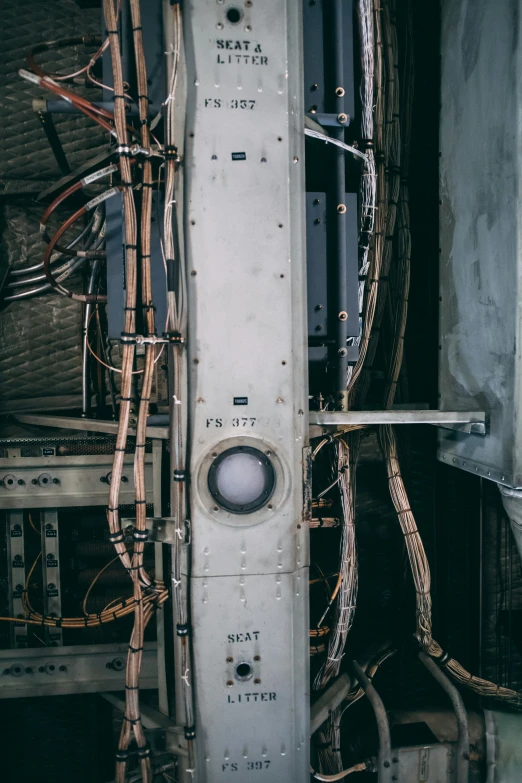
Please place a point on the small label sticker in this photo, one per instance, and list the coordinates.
(16, 533)
(52, 564)
(239, 156)
(52, 593)
(240, 400)
(18, 564)
(50, 533)
(424, 764)
(48, 452)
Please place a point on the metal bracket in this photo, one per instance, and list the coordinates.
(329, 119)
(471, 422)
(162, 530)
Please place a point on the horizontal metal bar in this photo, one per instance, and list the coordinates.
(86, 425)
(54, 671)
(464, 421)
(65, 107)
(152, 719)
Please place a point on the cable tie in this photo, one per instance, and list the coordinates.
(140, 502)
(133, 568)
(443, 659)
(135, 649)
(182, 629)
(116, 538)
(112, 32)
(121, 97)
(112, 509)
(123, 150)
(131, 309)
(119, 449)
(138, 27)
(132, 247)
(180, 475)
(131, 720)
(146, 184)
(58, 622)
(126, 399)
(189, 732)
(145, 122)
(121, 755)
(145, 98)
(144, 752)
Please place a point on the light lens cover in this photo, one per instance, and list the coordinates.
(241, 479)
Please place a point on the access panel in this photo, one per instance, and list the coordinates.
(244, 207)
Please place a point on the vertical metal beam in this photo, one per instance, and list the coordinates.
(51, 573)
(341, 317)
(384, 758)
(460, 714)
(16, 571)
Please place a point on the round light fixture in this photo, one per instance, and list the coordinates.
(241, 479)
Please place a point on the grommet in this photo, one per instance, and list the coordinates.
(339, 91)
(342, 352)
(341, 209)
(343, 315)
(342, 117)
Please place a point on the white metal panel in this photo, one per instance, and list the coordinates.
(244, 204)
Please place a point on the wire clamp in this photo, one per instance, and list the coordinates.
(182, 629)
(128, 338)
(190, 733)
(174, 337)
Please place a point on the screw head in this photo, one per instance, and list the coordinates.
(229, 659)
(342, 118)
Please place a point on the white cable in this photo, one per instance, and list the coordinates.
(339, 775)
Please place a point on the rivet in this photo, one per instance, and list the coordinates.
(279, 399)
(230, 659)
(257, 681)
(193, 273)
(296, 159)
(230, 683)
(248, 28)
(257, 657)
(263, 160)
(342, 351)
(314, 87)
(219, 25)
(214, 157)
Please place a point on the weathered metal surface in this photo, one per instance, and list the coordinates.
(480, 256)
(245, 208)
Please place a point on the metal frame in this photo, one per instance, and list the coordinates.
(55, 671)
(58, 482)
(16, 570)
(52, 586)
